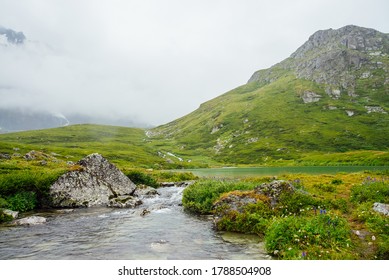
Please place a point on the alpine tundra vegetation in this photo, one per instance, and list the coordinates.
(327, 104)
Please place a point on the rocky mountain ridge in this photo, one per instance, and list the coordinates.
(336, 58)
(9, 36)
(330, 95)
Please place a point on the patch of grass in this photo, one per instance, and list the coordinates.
(139, 177)
(27, 187)
(325, 187)
(200, 197)
(314, 237)
(296, 204)
(171, 176)
(128, 148)
(254, 218)
(23, 201)
(370, 191)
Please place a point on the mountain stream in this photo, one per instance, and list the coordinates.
(158, 229)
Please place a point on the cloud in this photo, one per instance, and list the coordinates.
(154, 61)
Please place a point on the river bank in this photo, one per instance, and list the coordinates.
(302, 216)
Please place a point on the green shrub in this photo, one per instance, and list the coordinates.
(296, 203)
(337, 182)
(336, 204)
(200, 197)
(138, 177)
(325, 187)
(370, 191)
(315, 237)
(176, 176)
(4, 217)
(253, 219)
(28, 181)
(23, 201)
(3, 203)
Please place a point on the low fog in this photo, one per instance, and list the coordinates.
(151, 62)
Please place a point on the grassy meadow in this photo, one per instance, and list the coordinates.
(295, 230)
(329, 217)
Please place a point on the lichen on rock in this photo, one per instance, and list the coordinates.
(94, 184)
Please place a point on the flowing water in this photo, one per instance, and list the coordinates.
(166, 232)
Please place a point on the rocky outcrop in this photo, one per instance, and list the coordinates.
(267, 192)
(95, 182)
(381, 208)
(7, 215)
(232, 204)
(182, 184)
(12, 36)
(274, 189)
(13, 214)
(28, 221)
(5, 156)
(309, 97)
(236, 201)
(142, 191)
(333, 57)
(124, 201)
(350, 37)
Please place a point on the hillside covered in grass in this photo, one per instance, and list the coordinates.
(328, 102)
(124, 146)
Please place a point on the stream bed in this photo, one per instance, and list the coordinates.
(158, 229)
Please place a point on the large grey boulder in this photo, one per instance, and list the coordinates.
(95, 182)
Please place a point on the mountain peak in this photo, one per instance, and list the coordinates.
(11, 36)
(350, 36)
(333, 57)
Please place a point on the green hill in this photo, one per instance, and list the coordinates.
(328, 102)
(122, 145)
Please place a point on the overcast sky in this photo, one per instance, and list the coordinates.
(155, 60)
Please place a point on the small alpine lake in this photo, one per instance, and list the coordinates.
(238, 172)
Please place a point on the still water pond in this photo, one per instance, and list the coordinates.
(274, 171)
(167, 232)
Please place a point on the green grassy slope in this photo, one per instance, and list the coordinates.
(125, 146)
(257, 123)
